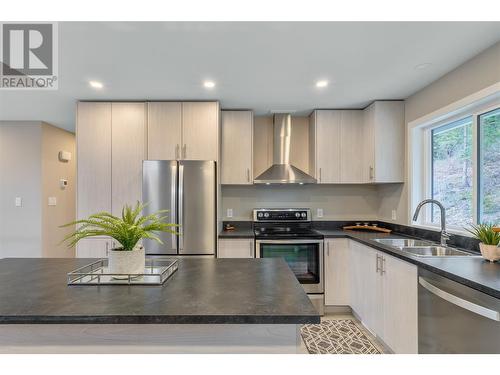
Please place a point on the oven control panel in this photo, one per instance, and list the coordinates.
(281, 214)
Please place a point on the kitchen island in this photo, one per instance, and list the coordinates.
(208, 306)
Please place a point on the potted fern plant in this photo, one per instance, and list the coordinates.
(490, 240)
(129, 257)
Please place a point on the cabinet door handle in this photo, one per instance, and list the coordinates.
(107, 248)
(377, 264)
(184, 151)
(328, 249)
(320, 175)
(382, 265)
(371, 172)
(248, 174)
(251, 248)
(177, 156)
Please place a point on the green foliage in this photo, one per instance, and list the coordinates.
(127, 230)
(484, 233)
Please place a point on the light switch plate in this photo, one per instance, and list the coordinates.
(52, 201)
(319, 212)
(393, 215)
(18, 202)
(229, 212)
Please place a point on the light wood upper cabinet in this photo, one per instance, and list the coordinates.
(236, 248)
(384, 142)
(200, 131)
(324, 150)
(93, 136)
(128, 150)
(337, 271)
(351, 156)
(237, 148)
(164, 130)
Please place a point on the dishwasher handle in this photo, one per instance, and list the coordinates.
(472, 307)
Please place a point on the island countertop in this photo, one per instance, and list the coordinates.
(202, 291)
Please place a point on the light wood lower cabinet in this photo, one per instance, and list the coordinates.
(236, 248)
(337, 271)
(381, 290)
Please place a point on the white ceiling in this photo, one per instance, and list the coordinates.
(261, 66)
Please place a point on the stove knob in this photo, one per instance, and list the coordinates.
(259, 214)
(303, 214)
(297, 214)
(266, 214)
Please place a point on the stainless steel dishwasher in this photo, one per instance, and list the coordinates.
(453, 318)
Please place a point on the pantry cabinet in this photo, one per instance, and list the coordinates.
(183, 131)
(236, 248)
(337, 272)
(237, 148)
(93, 137)
(128, 150)
(383, 143)
(383, 294)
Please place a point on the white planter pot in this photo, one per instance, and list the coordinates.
(490, 252)
(127, 262)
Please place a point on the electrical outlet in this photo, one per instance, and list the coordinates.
(229, 212)
(319, 212)
(52, 201)
(393, 215)
(18, 202)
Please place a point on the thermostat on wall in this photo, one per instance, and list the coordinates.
(64, 156)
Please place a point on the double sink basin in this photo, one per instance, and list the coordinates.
(421, 248)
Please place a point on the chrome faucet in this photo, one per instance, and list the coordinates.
(444, 235)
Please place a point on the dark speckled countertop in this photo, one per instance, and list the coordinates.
(474, 272)
(202, 291)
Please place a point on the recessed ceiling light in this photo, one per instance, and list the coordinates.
(322, 83)
(96, 84)
(209, 84)
(422, 66)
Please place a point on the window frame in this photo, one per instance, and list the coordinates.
(419, 153)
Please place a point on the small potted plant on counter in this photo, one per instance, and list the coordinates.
(129, 257)
(489, 240)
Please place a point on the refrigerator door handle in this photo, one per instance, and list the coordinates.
(472, 307)
(181, 206)
(173, 203)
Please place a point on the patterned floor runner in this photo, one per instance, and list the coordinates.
(339, 336)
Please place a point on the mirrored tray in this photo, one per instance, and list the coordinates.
(156, 272)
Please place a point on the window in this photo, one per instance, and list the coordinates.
(451, 171)
(455, 159)
(489, 166)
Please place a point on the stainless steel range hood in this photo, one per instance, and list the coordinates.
(282, 172)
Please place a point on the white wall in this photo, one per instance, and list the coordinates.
(20, 172)
(339, 202)
(478, 73)
(30, 169)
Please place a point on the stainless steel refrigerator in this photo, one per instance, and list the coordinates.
(187, 188)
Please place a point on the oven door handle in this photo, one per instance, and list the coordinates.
(288, 242)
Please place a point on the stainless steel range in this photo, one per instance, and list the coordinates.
(287, 233)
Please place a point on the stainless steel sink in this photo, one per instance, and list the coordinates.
(400, 243)
(421, 248)
(435, 251)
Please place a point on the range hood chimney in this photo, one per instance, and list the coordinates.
(282, 172)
